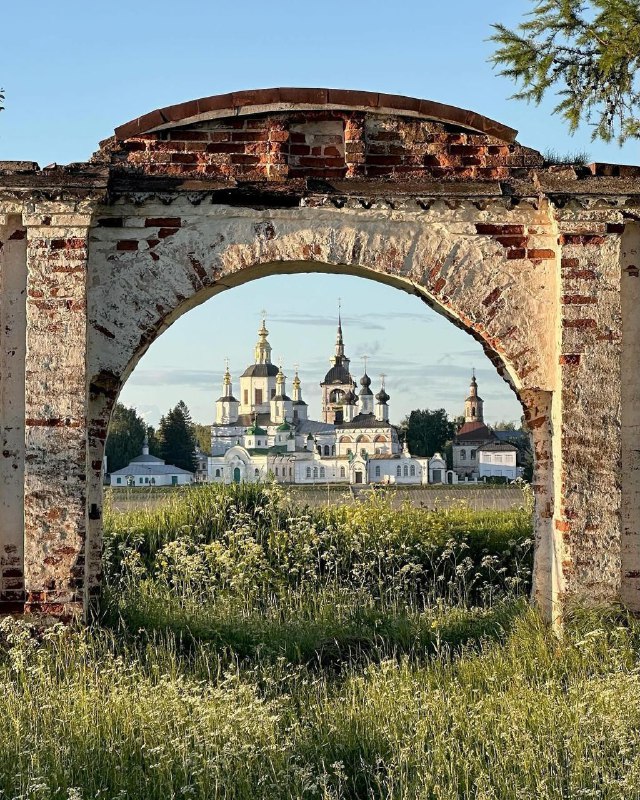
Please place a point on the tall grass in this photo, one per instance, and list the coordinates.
(525, 716)
(248, 648)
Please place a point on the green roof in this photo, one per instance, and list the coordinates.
(256, 430)
(284, 427)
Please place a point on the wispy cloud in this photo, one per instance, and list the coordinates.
(189, 378)
(373, 321)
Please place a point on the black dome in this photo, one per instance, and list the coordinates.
(338, 374)
(382, 396)
(260, 371)
(365, 380)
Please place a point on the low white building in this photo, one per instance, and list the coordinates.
(438, 472)
(146, 471)
(498, 460)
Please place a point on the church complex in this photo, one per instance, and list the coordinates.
(267, 433)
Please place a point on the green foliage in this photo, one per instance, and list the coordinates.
(212, 553)
(513, 713)
(203, 436)
(505, 425)
(261, 650)
(427, 431)
(125, 437)
(588, 51)
(177, 438)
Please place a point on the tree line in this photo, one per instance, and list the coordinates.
(174, 440)
(425, 431)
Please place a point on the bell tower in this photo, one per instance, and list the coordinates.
(473, 405)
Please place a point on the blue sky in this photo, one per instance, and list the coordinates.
(72, 71)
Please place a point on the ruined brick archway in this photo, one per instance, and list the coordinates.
(98, 259)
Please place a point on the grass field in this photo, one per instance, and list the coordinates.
(251, 648)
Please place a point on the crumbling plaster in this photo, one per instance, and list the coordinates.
(538, 264)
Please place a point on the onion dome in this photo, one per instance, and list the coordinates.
(256, 430)
(382, 396)
(350, 398)
(365, 382)
(284, 427)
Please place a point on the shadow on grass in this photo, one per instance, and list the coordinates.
(329, 641)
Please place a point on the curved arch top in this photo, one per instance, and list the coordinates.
(258, 101)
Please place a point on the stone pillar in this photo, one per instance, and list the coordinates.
(586, 414)
(547, 567)
(13, 280)
(55, 405)
(630, 476)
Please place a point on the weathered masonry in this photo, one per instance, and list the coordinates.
(540, 264)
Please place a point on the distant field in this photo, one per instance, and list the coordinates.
(477, 498)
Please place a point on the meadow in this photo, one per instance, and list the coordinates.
(248, 647)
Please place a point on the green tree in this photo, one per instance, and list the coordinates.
(427, 432)
(505, 425)
(177, 438)
(155, 448)
(588, 51)
(203, 437)
(124, 438)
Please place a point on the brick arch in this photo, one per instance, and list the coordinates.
(98, 259)
(465, 275)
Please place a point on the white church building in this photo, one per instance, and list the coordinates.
(267, 433)
(147, 470)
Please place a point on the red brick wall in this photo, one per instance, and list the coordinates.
(328, 145)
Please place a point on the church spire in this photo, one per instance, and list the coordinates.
(473, 405)
(339, 356)
(263, 348)
(227, 389)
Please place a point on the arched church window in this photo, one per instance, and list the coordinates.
(308, 472)
(315, 472)
(463, 455)
(326, 450)
(377, 472)
(333, 449)
(217, 473)
(413, 469)
(472, 455)
(322, 472)
(345, 440)
(319, 449)
(399, 471)
(406, 471)
(276, 472)
(473, 411)
(343, 474)
(256, 472)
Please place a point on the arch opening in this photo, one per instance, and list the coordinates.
(275, 268)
